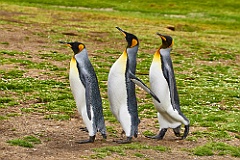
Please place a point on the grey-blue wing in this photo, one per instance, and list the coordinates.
(168, 73)
(86, 80)
(138, 82)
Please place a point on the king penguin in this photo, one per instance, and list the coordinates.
(85, 90)
(163, 84)
(121, 90)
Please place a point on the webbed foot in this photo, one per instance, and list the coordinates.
(186, 131)
(177, 131)
(84, 129)
(90, 140)
(125, 141)
(160, 135)
(104, 136)
(135, 135)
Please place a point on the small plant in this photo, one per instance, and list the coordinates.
(2, 118)
(111, 131)
(203, 151)
(32, 139)
(140, 155)
(20, 142)
(26, 141)
(148, 133)
(6, 43)
(13, 114)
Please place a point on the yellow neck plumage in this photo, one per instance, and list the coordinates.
(121, 62)
(123, 57)
(73, 64)
(157, 57)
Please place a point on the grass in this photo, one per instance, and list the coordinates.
(27, 141)
(217, 148)
(121, 150)
(205, 58)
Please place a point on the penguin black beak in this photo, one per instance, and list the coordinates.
(162, 36)
(122, 31)
(62, 42)
(66, 43)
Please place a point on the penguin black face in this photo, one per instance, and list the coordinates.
(167, 41)
(131, 39)
(76, 46)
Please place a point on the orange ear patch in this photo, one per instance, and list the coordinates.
(134, 42)
(80, 47)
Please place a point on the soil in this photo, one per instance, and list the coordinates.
(58, 138)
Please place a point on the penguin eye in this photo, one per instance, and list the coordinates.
(134, 42)
(80, 47)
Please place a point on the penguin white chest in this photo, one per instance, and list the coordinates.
(117, 92)
(159, 86)
(78, 90)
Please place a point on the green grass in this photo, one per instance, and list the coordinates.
(3, 118)
(27, 141)
(54, 56)
(205, 58)
(217, 148)
(20, 142)
(12, 53)
(121, 150)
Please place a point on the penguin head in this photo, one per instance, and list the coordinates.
(132, 40)
(167, 41)
(76, 46)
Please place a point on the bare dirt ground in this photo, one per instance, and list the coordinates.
(58, 137)
(59, 141)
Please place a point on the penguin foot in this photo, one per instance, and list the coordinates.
(84, 129)
(177, 131)
(104, 136)
(128, 140)
(155, 137)
(186, 131)
(135, 135)
(160, 135)
(90, 140)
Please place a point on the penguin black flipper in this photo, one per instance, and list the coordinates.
(86, 82)
(140, 83)
(168, 73)
(88, 94)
